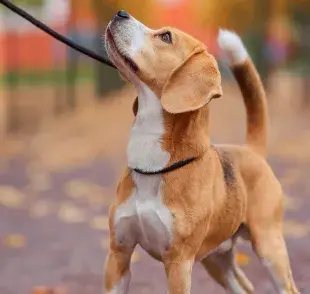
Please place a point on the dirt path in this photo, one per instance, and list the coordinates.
(55, 233)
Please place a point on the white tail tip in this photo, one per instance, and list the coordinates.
(232, 46)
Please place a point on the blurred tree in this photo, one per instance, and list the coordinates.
(300, 10)
(72, 58)
(262, 16)
(13, 79)
(235, 15)
(140, 9)
(12, 57)
(30, 2)
(106, 78)
(247, 17)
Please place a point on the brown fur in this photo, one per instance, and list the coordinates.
(226, 188)
(256, 106)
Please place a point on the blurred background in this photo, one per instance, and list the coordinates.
(65, 120)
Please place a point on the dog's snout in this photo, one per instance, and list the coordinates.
(123, 14)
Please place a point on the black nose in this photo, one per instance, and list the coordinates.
(123, 14)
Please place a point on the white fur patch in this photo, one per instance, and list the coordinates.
(123, 285)
(143, 218)
(232, 46)
(138, 41)
(144, 149)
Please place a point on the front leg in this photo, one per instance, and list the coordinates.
(178, 265)
(122, 239)
(122, 244)
(117, 270)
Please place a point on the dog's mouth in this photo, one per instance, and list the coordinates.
(127, 60)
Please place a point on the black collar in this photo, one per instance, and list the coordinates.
(170, 168)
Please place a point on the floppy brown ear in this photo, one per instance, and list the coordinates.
(193, 84)
(135, 106)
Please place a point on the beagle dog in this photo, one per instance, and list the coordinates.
(181, 198)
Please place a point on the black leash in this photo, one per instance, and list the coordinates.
(170, 168)
(56, 35)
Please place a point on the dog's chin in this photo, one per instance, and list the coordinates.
(122, 61)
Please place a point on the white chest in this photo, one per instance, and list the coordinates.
(143, 218)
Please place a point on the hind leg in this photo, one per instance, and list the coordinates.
(269, 245)
(222, 268)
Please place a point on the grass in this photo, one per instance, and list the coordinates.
(53, 76)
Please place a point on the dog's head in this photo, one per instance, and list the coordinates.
(174, 65)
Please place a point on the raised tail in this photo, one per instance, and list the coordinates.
(251, 87)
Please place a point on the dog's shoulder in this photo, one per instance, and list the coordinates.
(124, 187)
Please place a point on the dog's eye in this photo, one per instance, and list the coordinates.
(166, 37)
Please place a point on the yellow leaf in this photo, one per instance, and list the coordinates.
(242, 259)
(15, 241)
(100, 223)
(11, 197)
(71, 214)
(40, 290)
(45, 290)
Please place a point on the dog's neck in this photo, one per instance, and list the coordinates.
(159, 139)
(187, 134)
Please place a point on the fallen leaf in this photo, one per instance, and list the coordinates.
(15, 241)
(242, 259)
(11, 197)
(100, 223)
(71, 214)
(45, 290)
